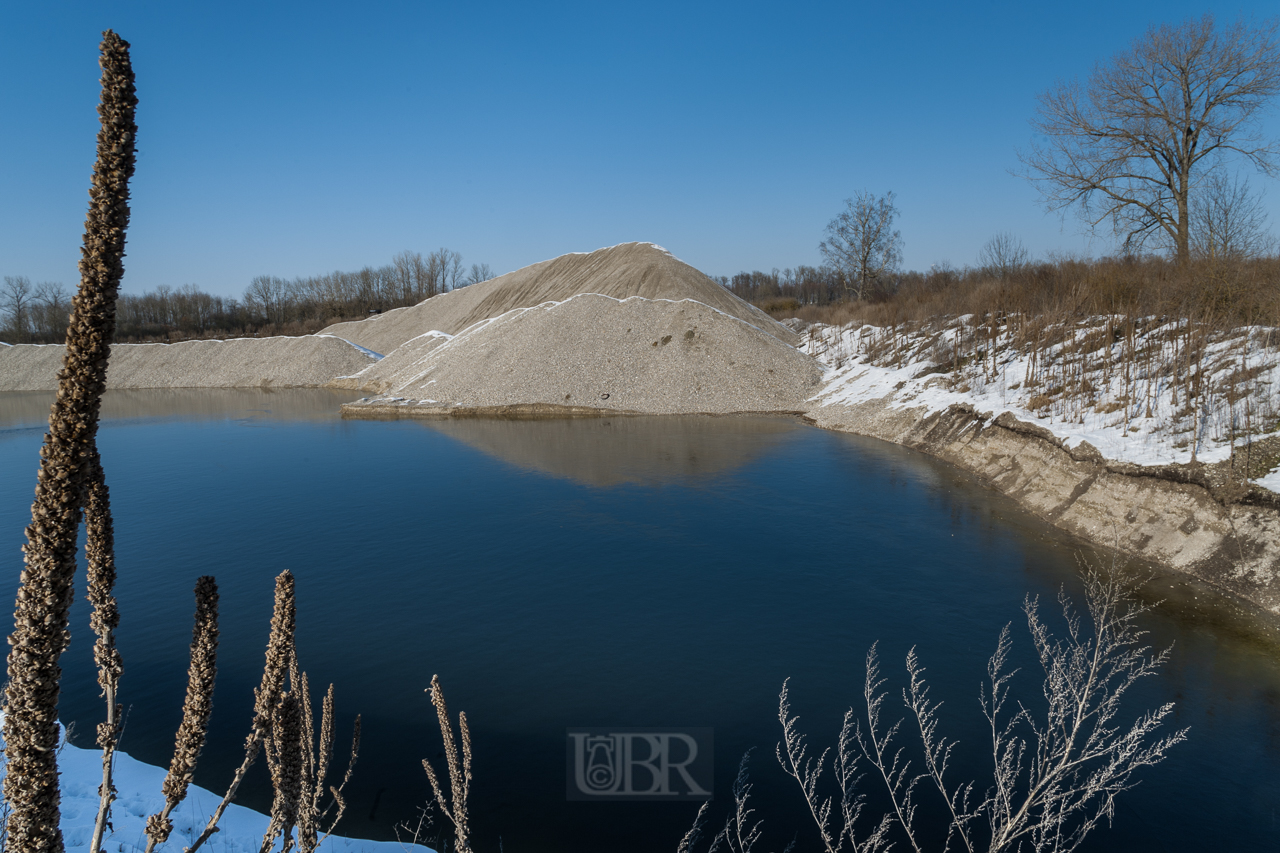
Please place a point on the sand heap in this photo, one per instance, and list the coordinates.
(311, 360)
(626, 329)
(629, 269)
(600, 353)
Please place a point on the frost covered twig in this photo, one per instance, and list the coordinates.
(1054, 777)
(741, 832)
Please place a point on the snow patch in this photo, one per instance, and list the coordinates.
(138, 786)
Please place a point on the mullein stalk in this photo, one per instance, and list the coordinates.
(44, 597)
(284, 755)
(194, 728)
(266, 696)
(313, 787)
(305, 813)
(100, 557)
(337, 790)
(459, 769)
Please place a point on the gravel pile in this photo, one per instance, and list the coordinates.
(596, 352)
(629, 269)
(312, 360)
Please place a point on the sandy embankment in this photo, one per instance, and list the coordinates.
(1169, 515)
(276, 362)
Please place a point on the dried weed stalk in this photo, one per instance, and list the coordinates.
(284, 757)
(44, 597)
(195, 710)
(100, 554)
(310, 815)
(336, 790)
(299, 768)
(459, 770)
(742, 831)
(266, 696)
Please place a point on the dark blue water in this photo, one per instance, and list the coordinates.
(644, 572)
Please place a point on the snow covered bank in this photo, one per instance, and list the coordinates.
(139, 784)
(1096, 439)
(1157, 394)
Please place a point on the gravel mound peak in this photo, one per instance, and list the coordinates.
(622, 271)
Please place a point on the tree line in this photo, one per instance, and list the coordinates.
(37, 313)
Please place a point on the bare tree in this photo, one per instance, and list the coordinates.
(268, 296)
(479, 273)
(1003, 255)
(450, 269)
(1228, 221)
(196, 308)
(1055, 776)
(408, 267)
(862, 244)
(1130, 145)
(51, 311)
(15, 299)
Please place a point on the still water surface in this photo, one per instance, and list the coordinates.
(623, 571)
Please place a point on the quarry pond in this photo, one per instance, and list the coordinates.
(616, 571)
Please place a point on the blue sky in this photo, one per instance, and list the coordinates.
(298, 138)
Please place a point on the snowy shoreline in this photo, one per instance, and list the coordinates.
(138, 785)
(1135, 418)
(1097, 440)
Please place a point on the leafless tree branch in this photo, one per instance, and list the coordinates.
(1129, 145)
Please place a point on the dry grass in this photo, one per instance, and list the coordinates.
(1222, 293)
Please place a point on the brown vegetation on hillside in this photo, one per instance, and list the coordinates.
(1224, 293)
(1134, 339)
